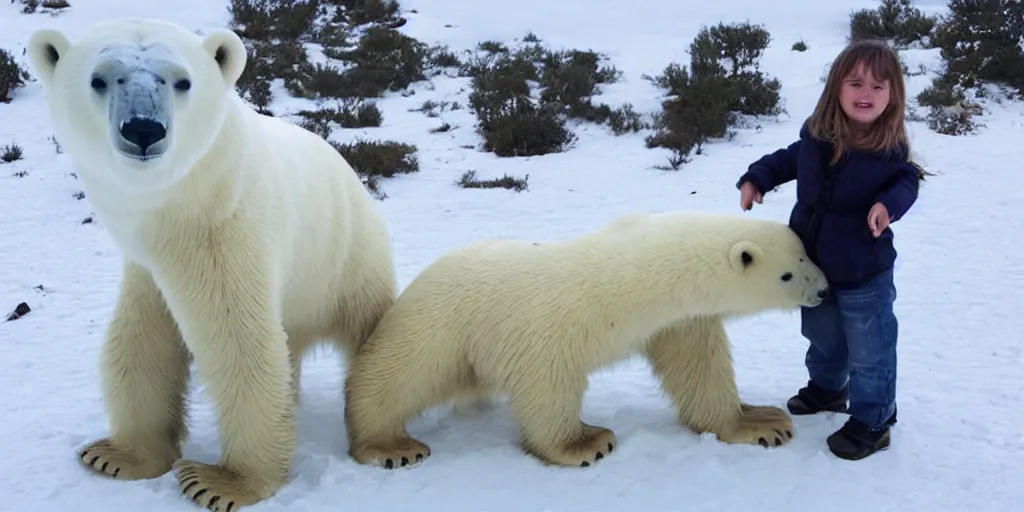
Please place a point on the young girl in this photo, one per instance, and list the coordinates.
(854, 178)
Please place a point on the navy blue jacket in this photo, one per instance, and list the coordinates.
(832, 203)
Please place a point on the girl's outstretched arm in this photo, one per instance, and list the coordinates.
(900, 192)
(773, 169)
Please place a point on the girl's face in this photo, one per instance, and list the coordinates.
(862, 97)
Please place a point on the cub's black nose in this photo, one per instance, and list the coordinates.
(143, 132)
(823, 293)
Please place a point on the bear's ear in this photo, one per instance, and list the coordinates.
(225, 47)
(45, 48)
(744, 254)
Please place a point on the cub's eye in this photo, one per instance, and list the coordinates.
(787, 276)
(182, 85)
(98, 83)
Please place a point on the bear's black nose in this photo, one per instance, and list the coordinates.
(143, 132)
(822, 293)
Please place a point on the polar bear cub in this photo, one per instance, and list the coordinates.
(533, 321)
(245, 240)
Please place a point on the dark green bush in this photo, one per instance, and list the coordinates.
(979, 41)
(12, 76)
(893, 20)
(723, 83)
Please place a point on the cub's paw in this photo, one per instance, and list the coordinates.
(593, 445)
(217, 488)
(108, 458)
(398, 452)
(766, 426)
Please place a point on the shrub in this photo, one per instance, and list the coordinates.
(517, 119)
(269, 20)
(570, 78)
(469, 180)
(723, 83)
(274, 32)
(32, 6)
(381, 59)
(980, 42)
(361, 12)
(894, 20)
(349, 114)
(11, 153)
(12, 76)
(384, 159)
(511, 121)
(624, 120)
(373, 160)
(435, 108)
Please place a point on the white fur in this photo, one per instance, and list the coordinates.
(245, 242)
(533, 320)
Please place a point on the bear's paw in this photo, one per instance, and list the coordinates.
(116, 461)
(217, 488)
(592, 445)
(767, 426)
(399, 452)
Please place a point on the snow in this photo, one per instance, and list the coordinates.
(957, 446)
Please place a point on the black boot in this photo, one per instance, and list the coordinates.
(813, 399)
(855, 440)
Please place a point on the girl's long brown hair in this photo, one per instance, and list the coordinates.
(829, 123)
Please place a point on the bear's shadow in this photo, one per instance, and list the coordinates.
(626, 400)
(492, 430)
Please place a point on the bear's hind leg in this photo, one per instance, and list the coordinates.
(145, 379)
(390, 382)
(548, 413)
(693, 361)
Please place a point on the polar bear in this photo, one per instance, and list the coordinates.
(533, 320)
(245, 240)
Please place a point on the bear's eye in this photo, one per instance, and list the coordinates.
(787, 276)
(182, 85)
(98, 83)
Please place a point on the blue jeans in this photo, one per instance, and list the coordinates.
(853, 343)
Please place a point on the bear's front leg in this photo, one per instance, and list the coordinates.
(222, 294)
(693, 361)
(144, 368)
(547, 408)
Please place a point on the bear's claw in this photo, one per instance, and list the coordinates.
(390, 463)
(598, 456)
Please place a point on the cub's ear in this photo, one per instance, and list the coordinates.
(744, 255)
(225, 47)
(45, 48)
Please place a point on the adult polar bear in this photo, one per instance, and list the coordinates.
(534, 320)
(245, 240)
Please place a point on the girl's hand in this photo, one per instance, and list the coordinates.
(878, 219)
(748, 195)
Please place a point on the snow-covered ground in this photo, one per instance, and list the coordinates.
(958, 445)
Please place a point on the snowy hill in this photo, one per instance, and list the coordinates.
(958, 444)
